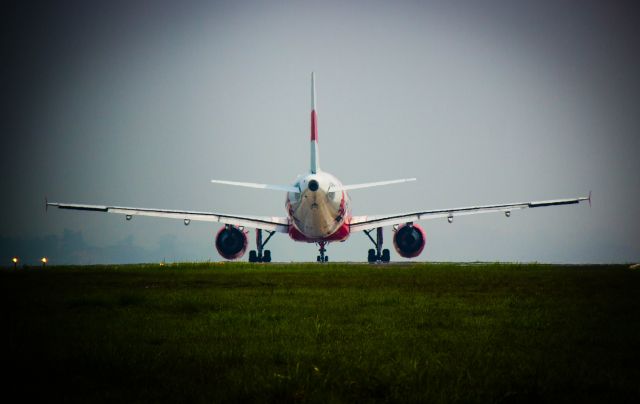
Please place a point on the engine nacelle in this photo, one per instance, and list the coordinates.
(231, 242)
(409, 240)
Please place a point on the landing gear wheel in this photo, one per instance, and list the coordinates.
(377, 255)
(322, 257)
(261, 255)
(371, 257)
(253, 257)
(386, 257)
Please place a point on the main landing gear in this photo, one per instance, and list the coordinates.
(260, 255)
(377, 255)
(322, 257)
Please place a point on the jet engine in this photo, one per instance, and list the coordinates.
(231, 242)
(409, 240)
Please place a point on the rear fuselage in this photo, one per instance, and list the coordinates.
(321, 211)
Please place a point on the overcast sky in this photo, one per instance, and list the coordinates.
(142, 103)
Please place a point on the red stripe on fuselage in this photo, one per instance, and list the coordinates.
(314, 126)
(341, 234)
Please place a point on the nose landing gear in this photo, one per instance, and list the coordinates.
(322, 257)
(377, 255)
(260, 255)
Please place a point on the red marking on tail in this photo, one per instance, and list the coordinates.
(314, 126)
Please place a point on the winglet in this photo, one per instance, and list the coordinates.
(46, 204)
(589, 199)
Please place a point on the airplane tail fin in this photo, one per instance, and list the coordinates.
(315, 160)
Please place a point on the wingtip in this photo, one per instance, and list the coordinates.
(46, 204)
(589, 199)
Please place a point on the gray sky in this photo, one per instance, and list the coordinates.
(483, 102)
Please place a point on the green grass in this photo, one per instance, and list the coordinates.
(322, 333)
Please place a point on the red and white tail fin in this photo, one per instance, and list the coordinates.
(315, 160)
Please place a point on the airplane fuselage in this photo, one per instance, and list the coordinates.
(321, 211)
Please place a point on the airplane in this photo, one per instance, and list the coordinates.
(318, 210)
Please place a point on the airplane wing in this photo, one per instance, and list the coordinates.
(278, 224)
(359, 223)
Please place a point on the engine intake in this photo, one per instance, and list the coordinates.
(409, 240)
(231, 242)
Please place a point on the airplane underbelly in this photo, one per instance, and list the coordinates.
(315, 217)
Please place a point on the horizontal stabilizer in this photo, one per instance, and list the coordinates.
(286, 188)
(376, 184)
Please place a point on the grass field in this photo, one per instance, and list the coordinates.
(238, 332)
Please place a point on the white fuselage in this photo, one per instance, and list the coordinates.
(321, 209)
